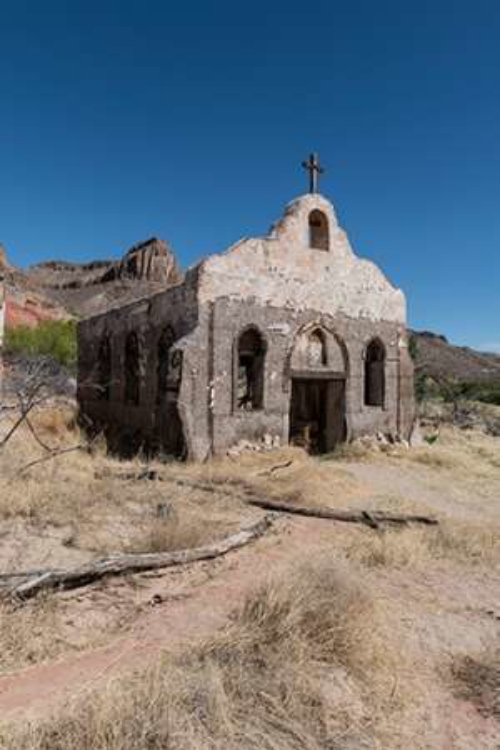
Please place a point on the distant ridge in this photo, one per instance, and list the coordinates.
(436, 357)
(63, 289)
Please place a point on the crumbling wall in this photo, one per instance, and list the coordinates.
(281, 327)
(283, 270)
(121, 418)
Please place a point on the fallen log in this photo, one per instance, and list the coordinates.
(93, 571)
(223, 487)
(370, 518)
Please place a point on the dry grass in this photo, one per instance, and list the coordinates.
(468, 544)
(470, 453)
(55, 422)
(49, 627)
(173, 533)
(355, 451)
(80, 501)
(311, 660)
(306, 664)
(306, 480)
(28, 635)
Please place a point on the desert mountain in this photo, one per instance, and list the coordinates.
(436, 357)
(58, 289)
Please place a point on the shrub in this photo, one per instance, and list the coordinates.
(450, 391)
(488, 393)
(413, 348)
(54, 338)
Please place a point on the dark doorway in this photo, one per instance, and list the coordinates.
(375, 374)
(169, 371)
(317, 414)
(171, 434)
(250, 372)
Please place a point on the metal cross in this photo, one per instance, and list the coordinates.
(315, 169)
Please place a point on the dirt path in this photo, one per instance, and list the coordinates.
(425, 487)
(167, 626)
(439, 613)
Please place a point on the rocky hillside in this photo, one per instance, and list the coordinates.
(26, 304)
(436, 357)
(59, 289)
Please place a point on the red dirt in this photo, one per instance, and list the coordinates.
(435, 612)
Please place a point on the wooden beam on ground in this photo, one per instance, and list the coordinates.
(33, 584)
(369, 518)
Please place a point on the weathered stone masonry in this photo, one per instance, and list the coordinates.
(285, 337)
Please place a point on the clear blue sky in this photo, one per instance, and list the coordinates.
(189, 120)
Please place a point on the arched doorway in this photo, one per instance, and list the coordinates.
(318, 372)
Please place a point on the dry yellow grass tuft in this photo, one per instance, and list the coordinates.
(57, 422)
(173, 533)
(471, 453)
(80, 500)
(302, 478)
(28, 635)
(471, 544)
(306, 664)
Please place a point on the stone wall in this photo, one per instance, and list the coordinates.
(176, 307)
(207, 337)
(281, 327)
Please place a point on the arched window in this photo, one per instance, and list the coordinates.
(375, 374)
(165, 342)
(318, 230)
(132, 369)
(104, 370)
(316, 349)
(250, 370)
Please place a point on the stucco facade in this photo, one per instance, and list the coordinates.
(285, 337)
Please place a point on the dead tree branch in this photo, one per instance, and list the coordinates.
(85, 446)
(276, 467)
(26, 586)
(26, 404)
(373, 519)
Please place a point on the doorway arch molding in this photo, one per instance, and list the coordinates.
(306, 329)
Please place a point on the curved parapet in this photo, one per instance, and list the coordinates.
(306, 261)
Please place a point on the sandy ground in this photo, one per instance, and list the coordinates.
(444, 606)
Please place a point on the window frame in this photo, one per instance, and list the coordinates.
(368, 401)
(318, 234)
(262, 353)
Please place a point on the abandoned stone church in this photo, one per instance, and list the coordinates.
(288, 338)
